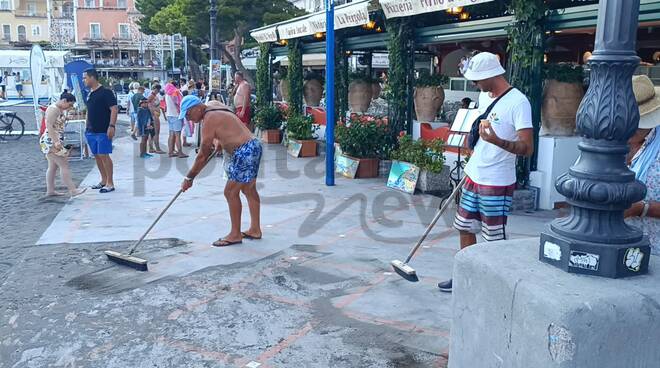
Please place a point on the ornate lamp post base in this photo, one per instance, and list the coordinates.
(594, 239)
(583, 257)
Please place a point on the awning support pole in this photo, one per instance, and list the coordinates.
(330, 93)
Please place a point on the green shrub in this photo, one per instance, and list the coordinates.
(363, 136)
(300, 127)
(361, 77)
(564, 72)
(269, 117)
(311, 75)
(427, 155)
(427, 80)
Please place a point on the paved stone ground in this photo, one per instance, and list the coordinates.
(26, 212)
(317, 291)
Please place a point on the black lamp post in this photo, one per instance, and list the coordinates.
(594, 239)
(213, 13)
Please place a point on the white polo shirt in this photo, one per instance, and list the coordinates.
(489, 164)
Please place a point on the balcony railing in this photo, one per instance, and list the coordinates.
(29, 14)
(65, 15)
(96, 38)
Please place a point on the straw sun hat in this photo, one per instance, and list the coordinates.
(648, 100)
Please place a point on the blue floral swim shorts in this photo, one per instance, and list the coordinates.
(244, 164)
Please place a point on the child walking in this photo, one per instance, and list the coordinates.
(144, 126)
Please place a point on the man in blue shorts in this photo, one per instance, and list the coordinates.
(244, 156)
(101, 119)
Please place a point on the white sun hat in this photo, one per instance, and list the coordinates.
(648, 100)
(482, 66)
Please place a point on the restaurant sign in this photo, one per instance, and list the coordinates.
(265, 35)
(404, 8)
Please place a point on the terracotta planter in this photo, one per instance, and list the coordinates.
(359, 96)
(428, 101)
(308, 147)
(284, 88)
(375, 90)
(271, 136)
(560, 105)
(368, 168)
(313, 92)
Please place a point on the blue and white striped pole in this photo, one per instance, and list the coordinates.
(330, 92)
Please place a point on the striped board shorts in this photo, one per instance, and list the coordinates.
(484, 208)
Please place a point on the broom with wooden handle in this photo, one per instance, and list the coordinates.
(138, 263)
(402, 268)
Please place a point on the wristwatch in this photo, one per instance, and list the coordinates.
(187, 178)
(645, 210)
(112, 126)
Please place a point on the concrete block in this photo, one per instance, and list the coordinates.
(510, 310)
(525, 199)
(429, 182)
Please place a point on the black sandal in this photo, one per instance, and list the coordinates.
(98, 186)
(225, 243)
(250, 237)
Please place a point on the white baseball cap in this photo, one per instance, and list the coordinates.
(482, 66)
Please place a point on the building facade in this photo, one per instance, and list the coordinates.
(23, 22)
(103, 32)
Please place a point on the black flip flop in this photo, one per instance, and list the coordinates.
(98, 186)
(250, 237)
(226, 243)
(107, 190)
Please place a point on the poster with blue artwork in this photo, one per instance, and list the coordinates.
(294, 147)
(403, 176)
(346, 166)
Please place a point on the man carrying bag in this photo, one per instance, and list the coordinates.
(503, 131)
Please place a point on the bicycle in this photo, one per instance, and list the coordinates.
(11, 126)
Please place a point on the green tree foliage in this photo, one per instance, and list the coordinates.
(399, 33)
(295, 78)
(235, 19)
(526, 46)
(149, 8)
(264, 93)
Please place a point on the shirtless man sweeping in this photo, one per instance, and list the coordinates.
(244, 156)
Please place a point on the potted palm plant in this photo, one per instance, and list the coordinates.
(428, 157)
(562, 95)
(429, 95)
(363, 138)
(269, 120)
(300, 132)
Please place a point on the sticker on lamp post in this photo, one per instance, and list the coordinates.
(552, 251)
(583, 260)
(633, 259)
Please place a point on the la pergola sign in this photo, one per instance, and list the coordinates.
(353, 15)
(404, 8)
(350, 15)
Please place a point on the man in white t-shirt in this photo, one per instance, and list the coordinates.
(505, 131)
